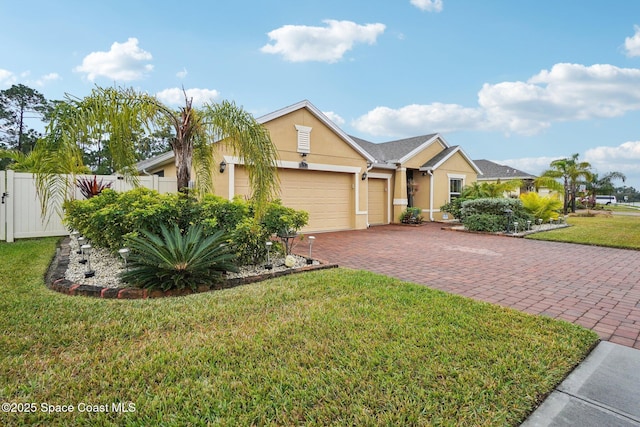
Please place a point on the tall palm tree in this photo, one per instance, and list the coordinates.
(604, 185)
(121, 112)
(570, 170)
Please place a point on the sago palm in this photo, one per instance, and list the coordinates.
(174, 260)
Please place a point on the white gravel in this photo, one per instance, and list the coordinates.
(107, 267)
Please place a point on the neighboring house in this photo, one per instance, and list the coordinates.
(494, 172)
(344, 182)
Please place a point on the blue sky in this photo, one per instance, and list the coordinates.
(517, 82)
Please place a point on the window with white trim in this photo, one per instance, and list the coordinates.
(304, 139)
(455, 188)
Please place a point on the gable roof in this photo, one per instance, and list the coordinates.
(400, 150)
(320, 116)
(494, 171)
(436, 161)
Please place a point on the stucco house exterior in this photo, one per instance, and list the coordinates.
(494, 172)
(344, 182)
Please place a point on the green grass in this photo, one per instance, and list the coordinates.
(333, 347)
(602, 230)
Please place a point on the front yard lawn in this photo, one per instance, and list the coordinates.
(333, 347)
(614, 231)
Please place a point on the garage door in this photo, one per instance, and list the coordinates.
(327, 196)
(377, 201)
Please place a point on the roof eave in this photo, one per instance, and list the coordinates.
(320, 116)
(422, 146)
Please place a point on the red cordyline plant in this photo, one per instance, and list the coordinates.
(91, 187)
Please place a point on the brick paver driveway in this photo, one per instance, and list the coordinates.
(598, 288)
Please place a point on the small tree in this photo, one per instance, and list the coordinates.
(121, 113)
(570, 170)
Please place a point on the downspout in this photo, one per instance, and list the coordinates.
(430, 172)
(369, 167)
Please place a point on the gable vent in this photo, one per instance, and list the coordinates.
(304, 139)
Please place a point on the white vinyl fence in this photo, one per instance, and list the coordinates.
(20, 212)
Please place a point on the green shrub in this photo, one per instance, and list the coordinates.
(283, 221)
(496, 206)
(412, 215)
(454, 207)
(173, 260)
(110, 219)
(545, 208)
(226, 213)
(485, 222)
(248, 241)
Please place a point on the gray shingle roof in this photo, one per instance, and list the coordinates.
(438, 157)
(492, 171)
(392, 150)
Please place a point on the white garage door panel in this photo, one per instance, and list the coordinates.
(327, 196)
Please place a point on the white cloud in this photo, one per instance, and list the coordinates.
(175, 96)
(623, 158)
(428, 5)
(567, 92)
(47, 78)
(418, 119)
(182, 74)
(335, 118)
(125, 61)
(7, 78)
(300, 43)
(632, 44)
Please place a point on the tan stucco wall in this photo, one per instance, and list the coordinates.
(456, 165)
(425, 155)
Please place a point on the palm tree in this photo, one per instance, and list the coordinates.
(603, 185)
(490, 189)
(120, 113)
(570, 170)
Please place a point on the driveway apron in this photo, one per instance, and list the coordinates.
(598, 288)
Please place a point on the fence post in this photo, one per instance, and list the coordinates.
(3, 206)
(8, 205)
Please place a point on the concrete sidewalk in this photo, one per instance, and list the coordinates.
(604, 390)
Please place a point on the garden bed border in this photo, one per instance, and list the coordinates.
(56, 281)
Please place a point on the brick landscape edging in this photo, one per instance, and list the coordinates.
(56, 281)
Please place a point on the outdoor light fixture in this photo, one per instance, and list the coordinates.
(268, 265)
(311, 239)
(529, 225)
(364, 176)
(81, 241)
(124, 253)
(515, 227)
(86, 250)
(223, 166)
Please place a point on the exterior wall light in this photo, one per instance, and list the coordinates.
(364, 176)
(223, 166)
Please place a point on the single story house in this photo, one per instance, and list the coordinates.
(344, 182)
(493, 172)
